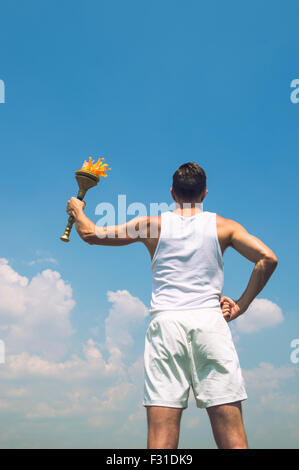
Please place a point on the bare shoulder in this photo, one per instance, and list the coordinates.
(144, 227)
(150, 229)
(152, 226)
(228, 224)
(226, 229)
(231, 233)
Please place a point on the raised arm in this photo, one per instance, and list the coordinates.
(135, 230)
(265, 262)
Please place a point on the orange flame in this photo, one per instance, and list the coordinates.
(99, 168)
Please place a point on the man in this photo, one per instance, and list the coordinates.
(188, 342)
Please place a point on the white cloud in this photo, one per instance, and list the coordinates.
(262, 313)
(43, 257)
(134, 422)
(99, 421)
(136, 371)
(70, 406)
(9, 276)
(35, 322)
(12, 288)
(267, 376)
(5, 405)
(35, 315)
(91, 365)
(16, 392)
(101, 386)
(116, 397)
(126, 314)
(48, 260)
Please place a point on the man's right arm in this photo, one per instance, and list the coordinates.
(255, 251)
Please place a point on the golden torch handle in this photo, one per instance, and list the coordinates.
(66, 236)
(86, 179)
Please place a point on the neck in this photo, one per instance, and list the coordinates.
(188, 209)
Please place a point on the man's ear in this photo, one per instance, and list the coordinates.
(204, 195)
(172, 194)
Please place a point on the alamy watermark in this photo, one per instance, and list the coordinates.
(294, 96)
(295, 353)
(2, 91)
(116, 219)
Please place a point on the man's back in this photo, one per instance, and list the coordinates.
(229, 234)
(187, 264)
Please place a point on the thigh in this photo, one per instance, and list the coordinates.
(166, 364)
(163, 427)
(216, 373)
(227, 425)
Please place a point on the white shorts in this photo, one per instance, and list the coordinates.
(191, 348)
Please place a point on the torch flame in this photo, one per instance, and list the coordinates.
(99, 168)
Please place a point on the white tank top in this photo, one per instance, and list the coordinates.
(187, 266)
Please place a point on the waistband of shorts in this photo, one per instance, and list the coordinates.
(178, 312)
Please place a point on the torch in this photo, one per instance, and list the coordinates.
(87, 177)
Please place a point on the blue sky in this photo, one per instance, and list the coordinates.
(148, 85)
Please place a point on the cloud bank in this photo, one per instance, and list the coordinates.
(262, 313)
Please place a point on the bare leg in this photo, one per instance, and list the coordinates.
(227, 426)
(163, 427)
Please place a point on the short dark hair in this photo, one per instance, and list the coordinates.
(189, 182)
